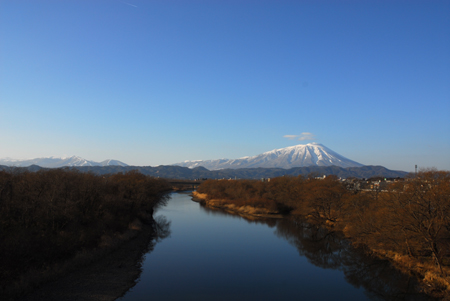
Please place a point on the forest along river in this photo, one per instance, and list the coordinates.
(212, 255)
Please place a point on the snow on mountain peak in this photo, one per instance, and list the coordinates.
(55, 162)
(311, 154)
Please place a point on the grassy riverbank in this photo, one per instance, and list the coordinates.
(409, 223)
(54, 221)
(246, 209)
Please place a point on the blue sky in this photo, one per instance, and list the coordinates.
(159, 82)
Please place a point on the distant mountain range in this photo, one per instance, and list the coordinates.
(296, 160)
(55, 162)
(312, 154)
(179, 172)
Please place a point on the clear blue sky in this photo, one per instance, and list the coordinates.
(159, 82)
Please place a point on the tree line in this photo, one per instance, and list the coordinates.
(49, 216)
(410, 219)
(179, 172)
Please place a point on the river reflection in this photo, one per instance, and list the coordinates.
(213, 255)
(330, 250)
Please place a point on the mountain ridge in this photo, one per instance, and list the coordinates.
(301, 155)
(56, 162)
(179, 172)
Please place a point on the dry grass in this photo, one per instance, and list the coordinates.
(237, 207)
(198, 195)
(379, 222)
(434, 283)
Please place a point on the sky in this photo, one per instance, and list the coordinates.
(156, 82)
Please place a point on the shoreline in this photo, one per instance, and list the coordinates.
(242, 210)
(108, 275)
(432, 283)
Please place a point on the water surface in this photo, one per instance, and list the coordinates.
(212, 255)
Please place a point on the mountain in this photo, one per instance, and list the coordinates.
(111, 162)
(178, 172)
(54, 162)
(312, 154)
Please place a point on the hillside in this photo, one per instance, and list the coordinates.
(312, 154)
(178, 172)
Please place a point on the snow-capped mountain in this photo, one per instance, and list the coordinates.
(312, 154)
(55, 162)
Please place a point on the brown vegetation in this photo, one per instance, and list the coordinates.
(409, 222)
(49, 217)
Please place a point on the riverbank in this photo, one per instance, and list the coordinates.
(241, 210)
(55, 221)
(434, 282)
(102, 275)
(429, 276)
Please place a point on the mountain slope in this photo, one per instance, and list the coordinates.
(178, 172)
(54, 162)
(312, 154)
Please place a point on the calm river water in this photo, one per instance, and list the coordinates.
(212, 255)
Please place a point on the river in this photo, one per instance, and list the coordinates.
(206, 254)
